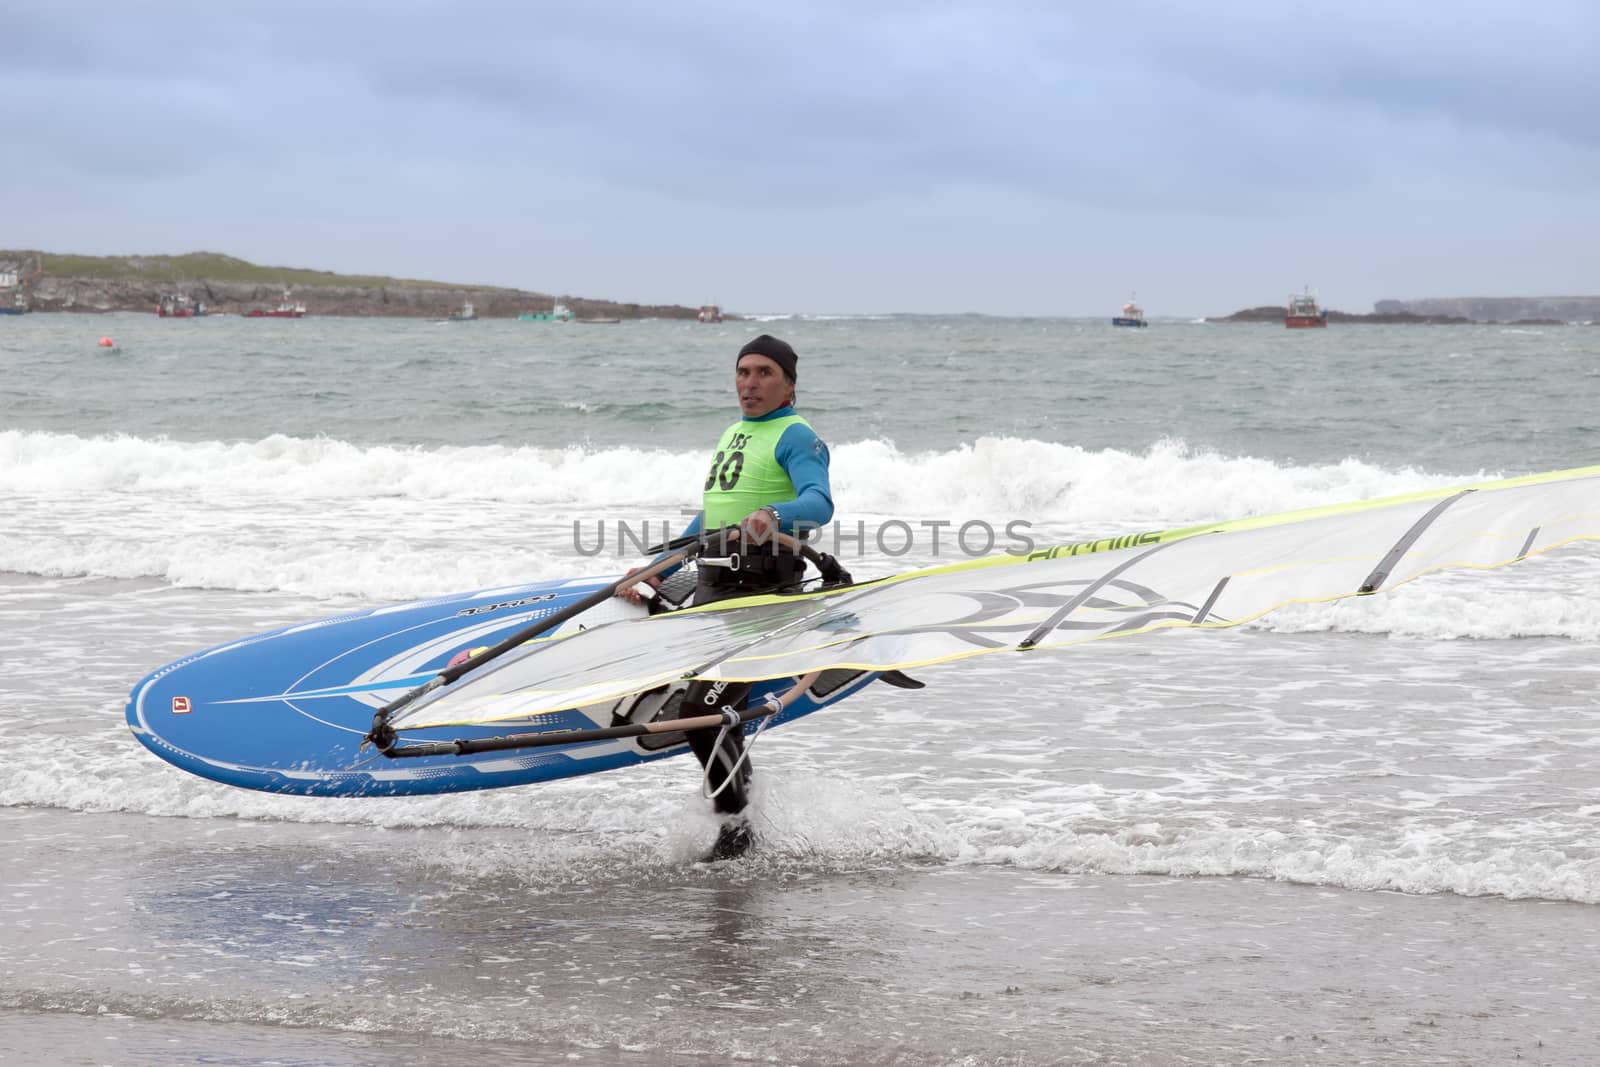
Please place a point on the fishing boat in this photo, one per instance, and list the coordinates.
(1132, 315)
(465, 313)
(557, 313)
(177, 306)
(284, 310)
(11, 283)
(710, 313)
(1303, 313)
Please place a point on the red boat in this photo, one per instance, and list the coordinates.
(1304, 314)
(284, 310)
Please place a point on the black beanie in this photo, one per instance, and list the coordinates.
(777, 351)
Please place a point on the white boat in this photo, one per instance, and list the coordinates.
(557, 313)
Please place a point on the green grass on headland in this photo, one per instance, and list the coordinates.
(51, 281)
(208, 266)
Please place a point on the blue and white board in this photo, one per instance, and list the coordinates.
(285, 711)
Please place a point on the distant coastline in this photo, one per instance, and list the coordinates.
(226, 285)
(1502, 310)
(230, 286)
(1274, 314)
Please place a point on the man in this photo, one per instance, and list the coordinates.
(769, 474)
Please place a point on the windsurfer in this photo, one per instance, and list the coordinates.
(769, 474)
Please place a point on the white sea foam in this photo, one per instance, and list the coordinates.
(1167, 482)
(1542, 597)
(1349, 862)
(830, 820)
(52, 465)
(326, 518)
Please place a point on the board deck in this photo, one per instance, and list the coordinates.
(285, 711)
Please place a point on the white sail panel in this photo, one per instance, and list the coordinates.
(1219, 576)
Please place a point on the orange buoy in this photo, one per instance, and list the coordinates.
(106, 342)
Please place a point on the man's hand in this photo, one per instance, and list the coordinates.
(759, 526)
(631, 593)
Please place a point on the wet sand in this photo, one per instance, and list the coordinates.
(138, 940)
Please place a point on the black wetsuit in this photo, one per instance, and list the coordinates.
(761, 571)
(775, 461)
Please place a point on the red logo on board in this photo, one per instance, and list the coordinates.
(180, 706)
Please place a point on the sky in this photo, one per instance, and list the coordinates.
(1004, 158)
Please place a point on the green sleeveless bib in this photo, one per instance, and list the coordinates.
(745, 473)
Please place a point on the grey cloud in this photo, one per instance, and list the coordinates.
(1005, 126)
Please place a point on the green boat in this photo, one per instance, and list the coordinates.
(558, 313)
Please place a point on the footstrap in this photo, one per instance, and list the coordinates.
(731, 720)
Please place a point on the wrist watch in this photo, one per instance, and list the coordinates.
(777, 520)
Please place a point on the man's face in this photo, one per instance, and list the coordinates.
(761, 385)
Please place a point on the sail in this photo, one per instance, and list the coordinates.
(1215, 575)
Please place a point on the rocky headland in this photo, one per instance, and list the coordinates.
(1275, 314)
(1506, 311)
(226, 285)
(1530, 310)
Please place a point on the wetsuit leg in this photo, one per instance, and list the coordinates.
(708, 698)
(702, 698)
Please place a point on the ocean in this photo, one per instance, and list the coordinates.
(1358, 833)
